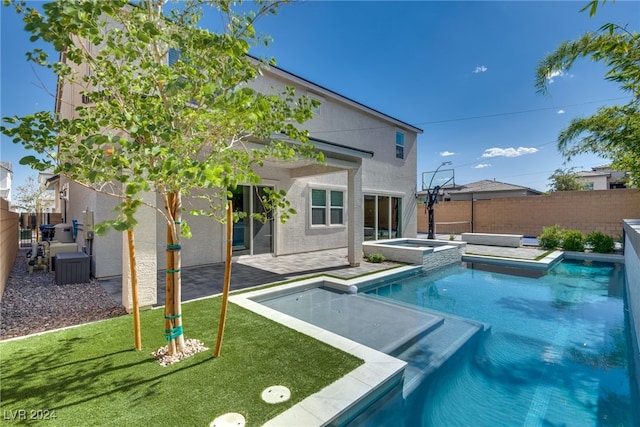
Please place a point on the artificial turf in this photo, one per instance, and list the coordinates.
(92, 376)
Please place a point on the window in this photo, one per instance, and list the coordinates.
(399, 145)
(317, 111)
(327, 207)
(318, 207)
(337, 207)
(173, 56)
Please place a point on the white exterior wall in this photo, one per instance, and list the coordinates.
(381, 175)
(6, 174)
(297, 234)
(599, 182)
(632, 271)
(106, 248)
(206, 246)
(363, 129)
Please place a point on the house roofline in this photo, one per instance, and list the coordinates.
(305, 82)
(464, 189)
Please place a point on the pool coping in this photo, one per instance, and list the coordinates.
(338, 402)
(545, 263)
(542, 264)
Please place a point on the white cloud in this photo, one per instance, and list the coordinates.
(482, 166)
(480, 69)
(508, 152)
(447, 153)
(561, 111)
(557, 73)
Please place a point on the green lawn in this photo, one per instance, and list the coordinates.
(91, 376)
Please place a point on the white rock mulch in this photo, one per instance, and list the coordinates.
(191, 347)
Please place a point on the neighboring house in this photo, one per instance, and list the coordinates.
(52, 184)
(6, 174)
(366, 189)
(482, 190)
(49, 200)
(602, 178)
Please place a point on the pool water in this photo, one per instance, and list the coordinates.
(557, 353)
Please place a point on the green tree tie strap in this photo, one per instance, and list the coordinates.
(173, 333)
(173, 271)
(173, 248)
(173, 316)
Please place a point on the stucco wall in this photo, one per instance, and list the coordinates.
(337, 121)
(106, 249)
(344, 122)
(297, 234)
(206, 244)
(585, 211)
(632, 270)
(8, 242)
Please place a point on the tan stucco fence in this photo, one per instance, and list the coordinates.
(8, 242)
(586, 211)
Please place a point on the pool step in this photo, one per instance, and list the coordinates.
(433, 349)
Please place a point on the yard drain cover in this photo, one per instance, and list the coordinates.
(232, 419)
(276, 394)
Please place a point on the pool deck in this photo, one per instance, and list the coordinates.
(251, 271)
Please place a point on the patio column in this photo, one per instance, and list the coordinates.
(355, 219)
(146, 258)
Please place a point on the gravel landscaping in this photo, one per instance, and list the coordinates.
(35, 303)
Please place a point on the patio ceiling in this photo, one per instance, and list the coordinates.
(337, 157)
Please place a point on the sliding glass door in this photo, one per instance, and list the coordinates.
(382, 217)
(251, 236)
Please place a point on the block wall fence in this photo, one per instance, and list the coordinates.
(586, 211)
(8, 242)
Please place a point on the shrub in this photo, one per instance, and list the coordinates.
(600, 242)
(573, 240)
(551, 237)
(376, 257)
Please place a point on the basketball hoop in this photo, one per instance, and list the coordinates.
(438, 180)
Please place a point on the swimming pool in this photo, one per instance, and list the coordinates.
(557, 352)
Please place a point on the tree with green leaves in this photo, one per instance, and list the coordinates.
(169, 109)
(29, 196)
(564, 180)
(612, 132)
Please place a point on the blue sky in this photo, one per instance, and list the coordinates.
(461, 71)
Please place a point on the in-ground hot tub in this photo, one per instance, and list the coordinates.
(428, 253)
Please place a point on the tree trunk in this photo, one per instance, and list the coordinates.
(134, 290)
(227, 279)
(173, 294)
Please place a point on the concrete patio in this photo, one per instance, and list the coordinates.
(250, 271)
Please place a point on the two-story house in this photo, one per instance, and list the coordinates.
(367, 186)
(602, 178)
